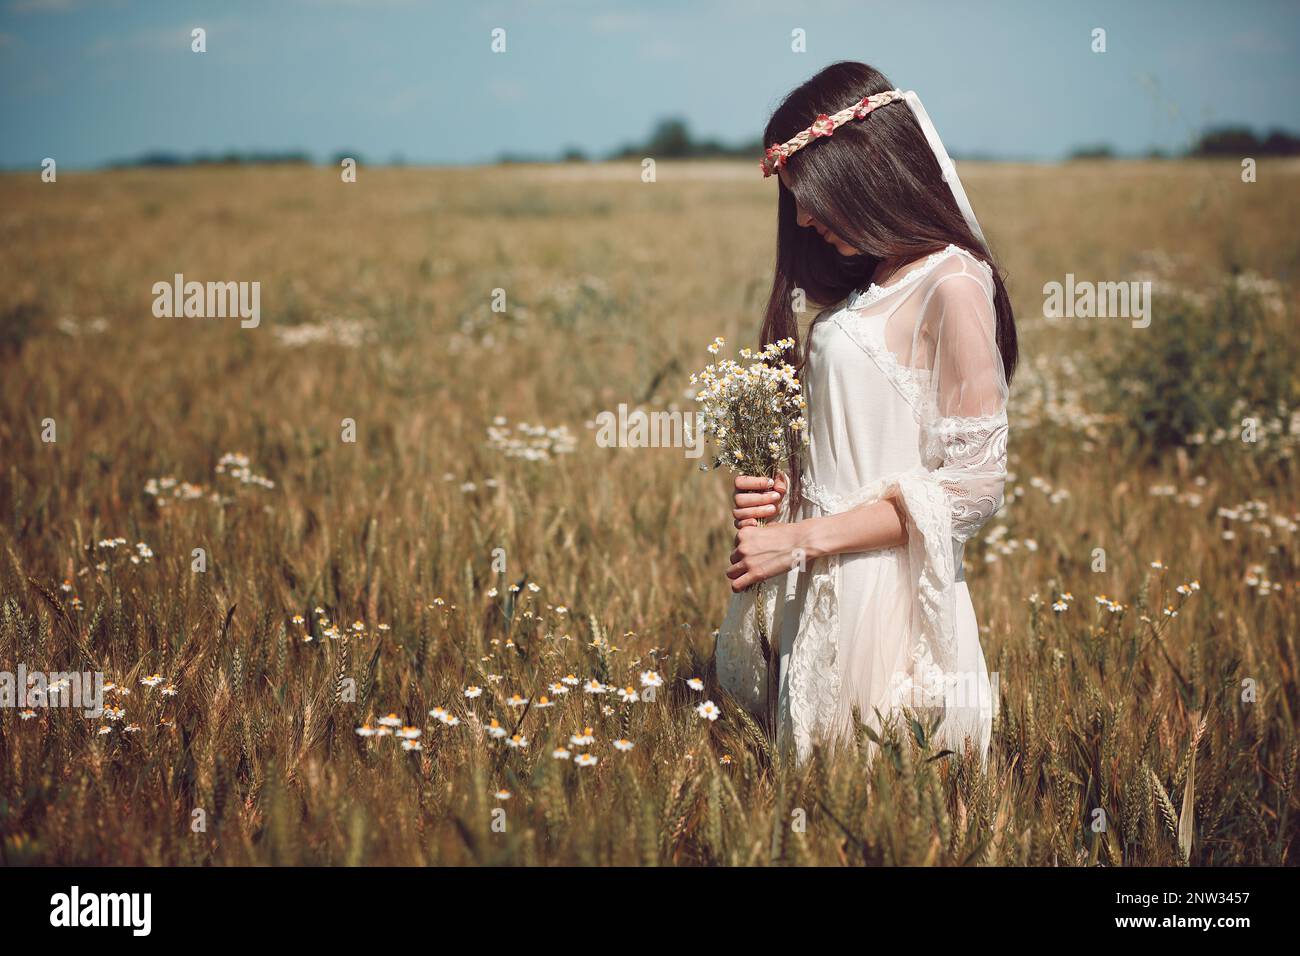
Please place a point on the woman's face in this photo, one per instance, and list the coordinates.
(808, 221)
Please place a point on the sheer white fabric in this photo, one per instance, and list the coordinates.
(907, 400)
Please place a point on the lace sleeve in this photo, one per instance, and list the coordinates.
(965, 429)
(963, 424)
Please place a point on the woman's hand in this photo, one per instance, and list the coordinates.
(757, 498)
(764, 552)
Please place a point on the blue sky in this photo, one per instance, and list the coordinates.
(89, 81)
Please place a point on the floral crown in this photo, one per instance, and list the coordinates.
(775, 156)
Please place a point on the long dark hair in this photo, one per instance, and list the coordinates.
(876, 185)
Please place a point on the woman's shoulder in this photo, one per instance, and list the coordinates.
(955, 274)
(956, 260)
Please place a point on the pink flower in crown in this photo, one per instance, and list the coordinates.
(822, 126)
(775, 159)
(862, 109)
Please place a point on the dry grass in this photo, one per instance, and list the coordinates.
(614, 286)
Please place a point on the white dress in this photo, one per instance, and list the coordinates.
(907, 400)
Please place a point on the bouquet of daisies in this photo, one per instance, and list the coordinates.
(753, 413)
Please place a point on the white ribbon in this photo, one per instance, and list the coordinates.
(946, 165)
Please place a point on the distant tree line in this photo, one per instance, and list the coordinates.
(1239, 141)
(671, 138)
(1235, 142)
(162, 158)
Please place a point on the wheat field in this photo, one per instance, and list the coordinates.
(475, 536)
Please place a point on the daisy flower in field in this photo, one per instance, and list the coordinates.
(473, 691)
(26, 713)
(543, 702)
(1114, 607)
(1060, 606)
(495, 730)
(1158, 565)
(585, 760)
(518, 741)
(623, 744)
(169, 690)
(594, 686)
(409, 733)
(365, 730)
(628, 695)
(708, 710)
(1170, 612)
(131, 729)
(104, 730)
(439, 713)
(153, 680)
(560, 753)
(561, 610)
(392, 720)
(534, 587)
(557, 688)
(514, 700)
(452, 721)
(725, 759)
(114, 713)
(694, 683)
(584, 739)
(651, 679)
(502, 794)
(570, 680)
(412, 745)
(492, 592)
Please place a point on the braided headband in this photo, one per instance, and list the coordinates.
(775, 157)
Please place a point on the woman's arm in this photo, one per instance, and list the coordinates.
(763, 552)
(869, 527)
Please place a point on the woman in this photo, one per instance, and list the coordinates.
(906, 380)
